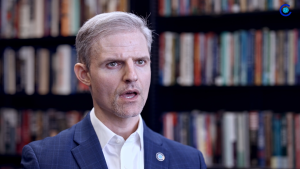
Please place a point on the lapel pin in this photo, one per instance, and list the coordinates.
(160, 156)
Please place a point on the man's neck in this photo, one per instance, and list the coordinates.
(121, 126)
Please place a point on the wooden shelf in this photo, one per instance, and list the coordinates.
(229, 22)
(236, 98)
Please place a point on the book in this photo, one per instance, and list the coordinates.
(253, 138)
(9, 62)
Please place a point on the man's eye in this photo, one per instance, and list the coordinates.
(141, 62)
(113, 64)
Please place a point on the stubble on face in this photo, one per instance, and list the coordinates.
(121, 111)
(117, 106)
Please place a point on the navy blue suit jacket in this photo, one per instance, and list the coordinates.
(79, 147)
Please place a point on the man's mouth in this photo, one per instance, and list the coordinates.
(129, 94)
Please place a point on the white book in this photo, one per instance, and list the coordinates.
(186, 59)
(6, 21)
(262, 5)
(272, 57)
(200, 125)
(43, 72)
(217, 6)
(26, 54)
(276, 4)
(24, 19)
(291, 57)
(9, 61)
(190, 59)
(255, 5)
(290, 2)
(112, 5)
(39, 19)
(168, 59)
(10, 124)
(92, 5)
(64, 69)
(54, 18)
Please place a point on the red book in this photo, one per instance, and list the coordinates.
(197, 61)
(258, 58)
(25, 133)
(161, 7)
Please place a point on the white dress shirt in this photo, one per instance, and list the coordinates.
(118, 153)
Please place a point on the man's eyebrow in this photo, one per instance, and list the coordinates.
(121, 60)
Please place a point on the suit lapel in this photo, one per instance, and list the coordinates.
(88, 153)
(153, 145)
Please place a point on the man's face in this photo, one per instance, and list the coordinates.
(120, 74)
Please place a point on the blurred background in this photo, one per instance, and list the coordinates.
(225, 76)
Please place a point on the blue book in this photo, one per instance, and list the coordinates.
(261, 141)
(250, 58)
(215, 57)
(276, 145)
(243, 58)
(167, 7)
(298, 61)
(74, 80)
(265, 58)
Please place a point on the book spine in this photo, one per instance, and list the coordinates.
(261, 141)
(283, 137)
(236, 62)
(268, 137)
(161, 57)
(197, 61)
(253, 126)
(276, 145)
(243, 58)
(250, 58)
(290, 140)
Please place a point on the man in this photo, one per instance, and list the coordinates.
(114, 61)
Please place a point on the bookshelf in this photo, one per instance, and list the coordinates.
(181, 99)
(174, 98)
(75, 101)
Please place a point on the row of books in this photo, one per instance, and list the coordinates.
(41, 18)
(40, 70)
(253, 139)
(209, 7)
(244, 57)
(20, 127)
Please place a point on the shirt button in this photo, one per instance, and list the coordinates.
(118, 141)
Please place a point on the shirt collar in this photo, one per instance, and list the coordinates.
(104, 134)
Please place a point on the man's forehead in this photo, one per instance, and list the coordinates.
(121, 45)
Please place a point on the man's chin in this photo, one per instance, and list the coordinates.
(128, 113)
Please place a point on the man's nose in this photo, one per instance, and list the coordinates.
(130, 72)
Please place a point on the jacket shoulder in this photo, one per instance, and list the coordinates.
(51, 150)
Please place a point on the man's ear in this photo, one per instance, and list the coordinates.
(82, 73)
